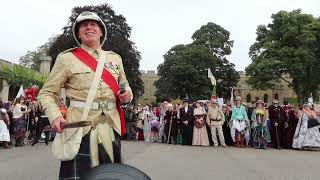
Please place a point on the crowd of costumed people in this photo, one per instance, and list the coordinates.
(223, 123)
(23, 121)
(200, 123)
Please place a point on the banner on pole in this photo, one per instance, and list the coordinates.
(232, 99)
(212, 78)
(20, 92)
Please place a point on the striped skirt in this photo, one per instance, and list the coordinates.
(19, 128)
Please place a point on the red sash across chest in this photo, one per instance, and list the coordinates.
(107, 77)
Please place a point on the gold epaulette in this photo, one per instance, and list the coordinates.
(68, 50)
(111, 52)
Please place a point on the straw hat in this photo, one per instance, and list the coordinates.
(238, 98)
(260, 102)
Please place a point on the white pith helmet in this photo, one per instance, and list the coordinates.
(87, 15)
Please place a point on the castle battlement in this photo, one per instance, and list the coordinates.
(148, 72)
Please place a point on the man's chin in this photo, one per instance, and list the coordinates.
(90, 41)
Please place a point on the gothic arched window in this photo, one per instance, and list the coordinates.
(248, 98)
(265, 98)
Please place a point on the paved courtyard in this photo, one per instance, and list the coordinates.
(175, 162)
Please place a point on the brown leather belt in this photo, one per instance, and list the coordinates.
(215, 119)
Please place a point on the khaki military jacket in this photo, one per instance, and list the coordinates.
(215, 114)
(72, 74)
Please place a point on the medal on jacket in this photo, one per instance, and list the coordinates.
(114, 68)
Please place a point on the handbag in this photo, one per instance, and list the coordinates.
(313, 122)
(198, 124)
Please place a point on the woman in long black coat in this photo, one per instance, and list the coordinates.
(226, 126)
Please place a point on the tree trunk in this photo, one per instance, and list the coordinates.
(300, 99)
(301, 95)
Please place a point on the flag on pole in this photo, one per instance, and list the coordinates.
(213, 82)
(310, 99)
(211, 77)
(187, 97)
(232, 99)
(20, 92)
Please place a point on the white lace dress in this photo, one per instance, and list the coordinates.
(304, 136)
(146, 126)
(4, 131)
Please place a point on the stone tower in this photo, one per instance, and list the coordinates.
(45, 65)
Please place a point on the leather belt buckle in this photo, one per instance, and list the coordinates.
(103, 106)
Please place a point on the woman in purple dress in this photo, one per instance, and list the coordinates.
(19, 121)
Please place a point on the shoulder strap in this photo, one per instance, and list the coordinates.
(94, 86)
(107, 77)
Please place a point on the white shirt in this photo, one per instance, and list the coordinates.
(2, 111)
(17, 113)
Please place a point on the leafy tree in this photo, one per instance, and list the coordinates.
(19, 75)
(184, 71)
(227, 77)
(32, 58)
(287, 49)
(217, 40)
(118, 34)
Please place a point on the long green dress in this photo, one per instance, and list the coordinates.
(259, 119)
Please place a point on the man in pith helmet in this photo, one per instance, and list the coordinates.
(80, 148)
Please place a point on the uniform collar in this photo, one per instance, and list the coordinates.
(91, 51)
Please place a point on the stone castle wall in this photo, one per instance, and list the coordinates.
(148, 78)
(281, 92)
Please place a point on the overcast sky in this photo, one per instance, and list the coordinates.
(156, 25)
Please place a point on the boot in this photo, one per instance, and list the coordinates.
(18, 143)
(6, 146)
(237, 141)
(241, 141)
(263, 145)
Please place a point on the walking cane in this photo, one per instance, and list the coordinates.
(276, 125)
(169, 133)
(27, 132)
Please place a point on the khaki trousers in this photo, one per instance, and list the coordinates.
(214, 135)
